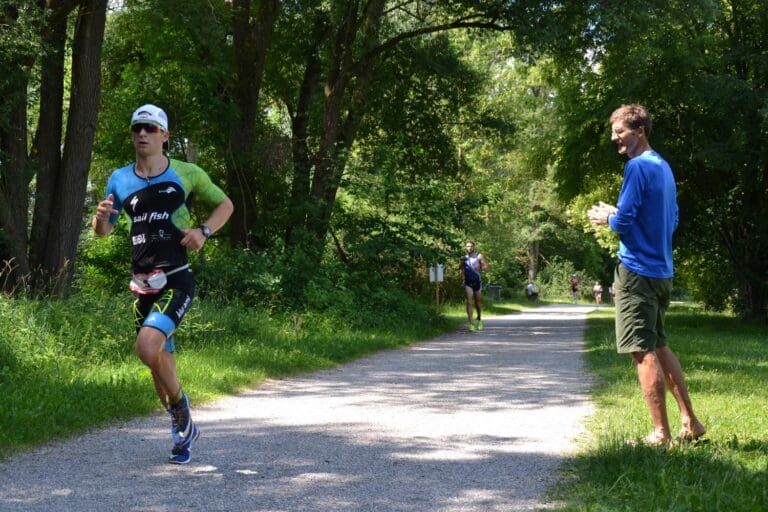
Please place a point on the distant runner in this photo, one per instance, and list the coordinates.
(575, 281)
(471, 267)
(597, 290)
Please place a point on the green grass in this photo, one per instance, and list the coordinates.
(456, 312)
(726, 367)
(69, 366)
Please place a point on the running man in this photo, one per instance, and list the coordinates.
(597, 290)
(156, 193)
(471, 267)
(575, 281)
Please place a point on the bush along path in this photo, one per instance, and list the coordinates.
(468, 421)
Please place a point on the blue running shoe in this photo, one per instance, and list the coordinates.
(180, 455)
(183, 429)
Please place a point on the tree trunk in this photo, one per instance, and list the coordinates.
(15, 174)
(747, 251)
(533, 260)
(298, 203)
(749, 211)
(46, 149)
(250, 41)
(66, 214)
(340, 126)
(14, 186)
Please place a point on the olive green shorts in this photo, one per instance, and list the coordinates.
(641, 304)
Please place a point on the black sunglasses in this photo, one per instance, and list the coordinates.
(147, 127)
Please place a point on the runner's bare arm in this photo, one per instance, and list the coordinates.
(194, 238)
(483, 263)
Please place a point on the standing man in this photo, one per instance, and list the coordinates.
(156, 193)
(471, 267)
(645, 217)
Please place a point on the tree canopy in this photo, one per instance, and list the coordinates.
(701, 69)
(379, 134)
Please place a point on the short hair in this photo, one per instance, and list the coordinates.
(635, 116)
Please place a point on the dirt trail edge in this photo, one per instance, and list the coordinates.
(465, 422)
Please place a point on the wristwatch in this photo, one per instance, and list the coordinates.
(206, 231)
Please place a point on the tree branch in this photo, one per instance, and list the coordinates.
(458, 24)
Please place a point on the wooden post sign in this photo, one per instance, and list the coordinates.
(436, 276)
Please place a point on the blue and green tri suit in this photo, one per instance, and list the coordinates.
(158, 208)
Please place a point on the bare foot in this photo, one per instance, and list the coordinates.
(652, 439)
(691, 432)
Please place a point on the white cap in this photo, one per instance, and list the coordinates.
(150, 114)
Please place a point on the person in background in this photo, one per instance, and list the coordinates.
(471, 267)
(645, 217)
(155, 193)
(531, 293)
(575, 281)
(597, 290)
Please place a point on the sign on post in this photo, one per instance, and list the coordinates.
(436, 273)
(436, 276)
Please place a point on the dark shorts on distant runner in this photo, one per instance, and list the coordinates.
(475, 285)
(641, 305)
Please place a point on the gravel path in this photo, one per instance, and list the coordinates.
(465, 422)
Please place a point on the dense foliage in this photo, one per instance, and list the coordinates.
(372, 138)
(436, 155)
(700, 68)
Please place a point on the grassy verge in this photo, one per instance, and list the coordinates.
(69, 366)
(726, 366)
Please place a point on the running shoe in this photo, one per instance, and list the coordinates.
(471, 326)
(183, 429)
(182, 453)
(479, 325)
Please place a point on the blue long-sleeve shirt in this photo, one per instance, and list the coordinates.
(647, 216)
